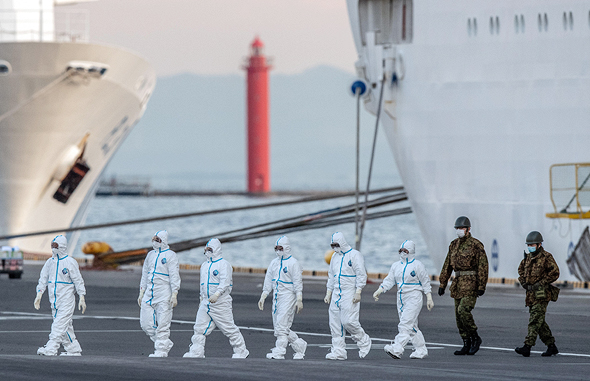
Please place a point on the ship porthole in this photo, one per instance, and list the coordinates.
(5, 68)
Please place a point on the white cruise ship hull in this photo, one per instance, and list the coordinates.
(475, 121)
(45, 113)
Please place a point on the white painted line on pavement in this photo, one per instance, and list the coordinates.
(37, 315)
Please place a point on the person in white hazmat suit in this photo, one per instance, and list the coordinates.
(283, 279)
(347, 277)
(411, 278)
(158, 293)
(215, 308)
(61, 276)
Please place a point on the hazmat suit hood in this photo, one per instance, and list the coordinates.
(163, 235)
(284, 242)
(216, 246)
(411, 247)
(339, 239)
(62, 249)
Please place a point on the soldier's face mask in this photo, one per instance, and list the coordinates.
(532, 248)
(461, 232)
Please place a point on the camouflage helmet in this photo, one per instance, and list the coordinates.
(462, 222)
(534, 237)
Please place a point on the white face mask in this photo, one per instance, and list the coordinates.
(155, 245)
(55, 252)
(279, 253)
(460, 233)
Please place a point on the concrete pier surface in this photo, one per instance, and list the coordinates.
(115, 347)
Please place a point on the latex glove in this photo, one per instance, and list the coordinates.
(429, 302)
(480, 292)
(261, 301)
(441, 291)
(299, 303)
(357, 296)
(174, 299)
(328, 297)
(141, 292)
(37, 302)
(377, 293)
(82, 304)
(214, 297)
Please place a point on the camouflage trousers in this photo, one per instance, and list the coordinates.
(538, 325)
(463, 315)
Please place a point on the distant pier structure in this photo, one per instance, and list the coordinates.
(257, 69)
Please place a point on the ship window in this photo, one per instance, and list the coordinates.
(564, 21)
(545, 22)
(5, 68)
(571, 21)
(516, 24)
(540, 23)
(494, 25)
(475, 27)
(469, 27)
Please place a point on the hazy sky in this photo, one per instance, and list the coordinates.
(213, 36)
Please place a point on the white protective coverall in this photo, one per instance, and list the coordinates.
(215, 309)
(61, 276)
(283, 279)
(411, 278)
(346, 276)
(159, 280)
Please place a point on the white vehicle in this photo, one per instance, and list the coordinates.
(66, 105)
(11, 262)
(481, 99)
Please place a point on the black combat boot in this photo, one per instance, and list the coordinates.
(525, 350)
(551, 350)
(475, 343)
(466, 345)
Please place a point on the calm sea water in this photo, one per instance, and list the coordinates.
(381, 240)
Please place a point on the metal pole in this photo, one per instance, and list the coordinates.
(358, 138)
(41, 20)
(362, 227)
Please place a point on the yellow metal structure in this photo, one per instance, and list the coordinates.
(571, 181)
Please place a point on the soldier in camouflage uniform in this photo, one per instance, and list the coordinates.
(468, 259)
(536, 273)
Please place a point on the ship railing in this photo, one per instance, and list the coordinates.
(45, 26)
(570, 190)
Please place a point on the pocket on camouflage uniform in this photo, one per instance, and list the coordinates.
(554, 293)
(540, 293)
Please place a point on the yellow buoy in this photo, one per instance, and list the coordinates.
(328, 256)
(95, 247)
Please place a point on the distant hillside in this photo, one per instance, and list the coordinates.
(194, 132)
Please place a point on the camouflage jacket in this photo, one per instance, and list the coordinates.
(465, 254)
(538, 270)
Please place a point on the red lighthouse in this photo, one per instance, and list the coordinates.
(258, 126)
